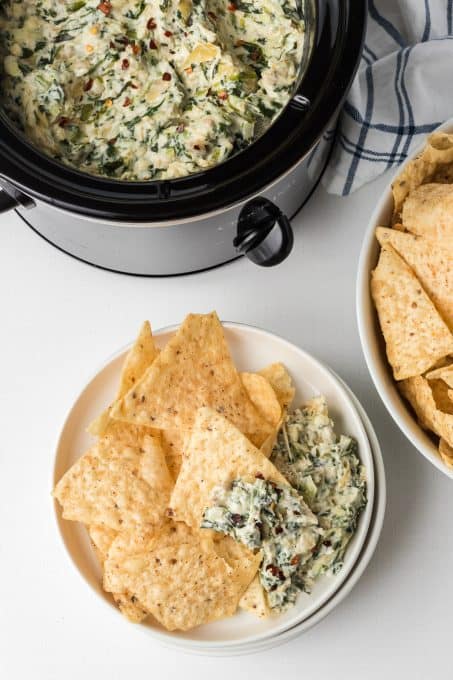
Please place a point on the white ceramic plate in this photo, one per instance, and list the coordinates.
(371, 335)
(374, 532)
(252, 349)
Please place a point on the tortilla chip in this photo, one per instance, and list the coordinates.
(418, 392)
(263, 397)
(140, 356)
(217, 453)
(442, 396)
(431, 165)
(254, 600)
(431, 264)
(446, 453)
(116, 485)
(281, 383)
(183, 584)
(195, 369)
(428, 212)
(243, 561)
(102, 539)
(173, 443)
(444, 373)
(415, 335)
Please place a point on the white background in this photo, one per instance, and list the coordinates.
(60, 319)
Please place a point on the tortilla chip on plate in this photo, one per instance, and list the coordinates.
(217, 453)
(102, 539)
(419, 394)
(281, 383)
(183, 583)
(415, 334)
(117, 485)
(431, 264)
(195, 369)
(140, 356)
(254, 600)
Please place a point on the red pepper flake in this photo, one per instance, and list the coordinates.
(168, 34)
(212, 16)
(223, 95)
(151, 24)
(166, 76)
(112, 45)
(88, 85)
(136, 49)
(127, 102)
(111, 141)
(152, 45)
(134, 86)
(231, 7)
(105, 7)
(125, 64)
(258, 475)
(63, 121)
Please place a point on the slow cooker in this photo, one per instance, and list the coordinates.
(240, 207)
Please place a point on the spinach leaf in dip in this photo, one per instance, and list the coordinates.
(326, 470)
(274, 519)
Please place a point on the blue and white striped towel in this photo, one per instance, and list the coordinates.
(402, 91)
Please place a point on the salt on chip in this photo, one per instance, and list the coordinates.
(194, 369)
(418, 392)
(254, 600)
(117, 485)
(217, 453)
(183, 584)
(446, 453)
(415, 334)
(431, 263)
(140, 356)
(102, 539)
(281, 383)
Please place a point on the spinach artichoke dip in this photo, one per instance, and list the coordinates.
(303, 531)
(144, 89)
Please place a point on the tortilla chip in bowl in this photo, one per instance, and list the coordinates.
(404, 297)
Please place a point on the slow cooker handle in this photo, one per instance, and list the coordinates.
(7, 202)
(264, 233)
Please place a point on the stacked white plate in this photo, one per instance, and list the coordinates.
(252, 348)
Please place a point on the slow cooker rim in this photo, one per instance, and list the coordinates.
(218, 188)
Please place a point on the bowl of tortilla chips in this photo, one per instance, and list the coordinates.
(172, 491)
(405, 298)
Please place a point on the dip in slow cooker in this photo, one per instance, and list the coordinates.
(147, 89)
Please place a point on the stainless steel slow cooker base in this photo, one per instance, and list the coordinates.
(170, 248)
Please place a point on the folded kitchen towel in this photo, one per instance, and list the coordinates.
(402, 91)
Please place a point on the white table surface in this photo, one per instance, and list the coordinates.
(60, 319)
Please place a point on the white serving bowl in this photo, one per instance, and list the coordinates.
(252, 349)
(371, 335)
